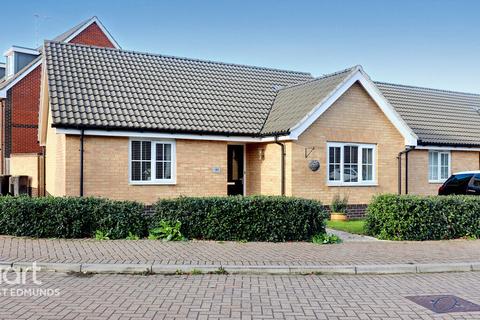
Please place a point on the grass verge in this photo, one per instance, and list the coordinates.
(351, 226)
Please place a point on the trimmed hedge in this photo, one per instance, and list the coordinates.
(70, 217)
(253, 218)
(406, 217)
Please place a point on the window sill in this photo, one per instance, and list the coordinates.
(152, 183)
(372, 184)
(436, 181)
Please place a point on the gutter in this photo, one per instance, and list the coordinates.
(282, 165)
(399, 158)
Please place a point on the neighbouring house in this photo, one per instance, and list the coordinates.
(20, 96)
(2, 70)
(128, 125)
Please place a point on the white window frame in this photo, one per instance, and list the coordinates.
(153, 180)
(439, 168)
(360, 182)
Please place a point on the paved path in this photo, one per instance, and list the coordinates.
(365, 297)
(14, 249)
(350, 237)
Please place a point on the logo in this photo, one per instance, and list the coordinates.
(24, 283)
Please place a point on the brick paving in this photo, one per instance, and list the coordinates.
(239, 297)
(14, 249)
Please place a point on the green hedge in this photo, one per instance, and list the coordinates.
(255, 218)
(70, 217)
(409, 217)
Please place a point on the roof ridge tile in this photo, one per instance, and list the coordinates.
(183, 58)
(419, 88)
(322, 77)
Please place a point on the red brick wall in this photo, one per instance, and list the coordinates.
(25, 97)
(21, 124)
(93, 36)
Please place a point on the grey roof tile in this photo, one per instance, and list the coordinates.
(115, 89)
(294, 103)
(160, 93)
(437, 116)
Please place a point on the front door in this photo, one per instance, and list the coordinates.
(235, 170)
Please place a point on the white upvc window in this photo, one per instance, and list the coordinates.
(351, 164)
(152, 162)
(438, 166)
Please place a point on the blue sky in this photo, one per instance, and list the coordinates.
(426, 43)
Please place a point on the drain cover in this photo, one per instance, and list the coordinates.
(445, 303)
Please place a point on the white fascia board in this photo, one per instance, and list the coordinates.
(157, 135)
(2, 64)
(100, 25)
(381, 101)
(3, 91)
(13, 49)
(447, 148)
(278, 138)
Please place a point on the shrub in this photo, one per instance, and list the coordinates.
(326, 238)
(132, 236)
(339, 205)
(100, 235)
(70, 217)
(408, 217)
(253, 218)
(166, 231)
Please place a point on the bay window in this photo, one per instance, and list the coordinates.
(351, 164)
(152, 162)
(438, 166)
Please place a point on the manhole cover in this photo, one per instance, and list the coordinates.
(445, 303)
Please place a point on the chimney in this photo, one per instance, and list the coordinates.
(18, 58)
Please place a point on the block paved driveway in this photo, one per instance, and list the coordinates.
(14, 249)
(239, 297)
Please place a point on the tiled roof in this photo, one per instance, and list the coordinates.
(103, 88)
(437, 116)
(95, 87)
(294, 103)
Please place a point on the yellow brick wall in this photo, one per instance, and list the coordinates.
(418, 169)
(263, 176)
(25, 164)
(355, 118)
(54, 162)
(106, 170)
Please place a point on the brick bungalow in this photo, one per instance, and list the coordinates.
(20, 96)
(129, 125)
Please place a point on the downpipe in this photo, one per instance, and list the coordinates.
(82, 136)
(282, 164)
(399, 158)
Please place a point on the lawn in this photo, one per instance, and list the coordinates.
(352, 226)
